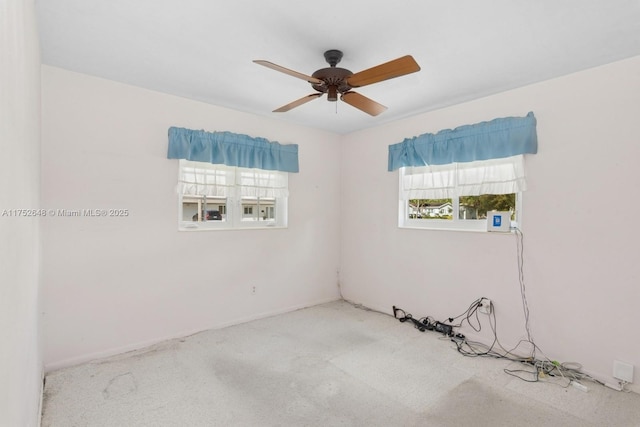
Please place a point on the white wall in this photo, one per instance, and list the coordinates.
(114, 284)
(117, 284)
(581, 264)
(20, 349)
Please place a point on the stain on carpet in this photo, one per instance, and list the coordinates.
(478, 404)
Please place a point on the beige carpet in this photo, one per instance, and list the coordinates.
(487, 406)
(329, 365)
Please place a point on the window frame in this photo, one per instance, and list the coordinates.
(233, 217)
(455, 224)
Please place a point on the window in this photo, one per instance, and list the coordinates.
(451, 179)
(457, 196)
(222, 197)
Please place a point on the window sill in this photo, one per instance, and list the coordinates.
(477, 227)
(228, 228)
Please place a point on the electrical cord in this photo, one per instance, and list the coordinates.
(525, 305)
(464, 346)
(532, 369)
(421, 324)
(475, 349)
(471, 311)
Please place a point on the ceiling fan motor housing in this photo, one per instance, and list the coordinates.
(334, 78)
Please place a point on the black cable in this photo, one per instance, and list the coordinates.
(471, 311)
(525, 305)
(422, 324)
(468, 348)
(473, 304)
(537, 368)
(475, 349)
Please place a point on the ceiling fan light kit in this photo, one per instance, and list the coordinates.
(335, 80)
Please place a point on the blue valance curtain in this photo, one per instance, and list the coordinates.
(231, 149)
(498, 138)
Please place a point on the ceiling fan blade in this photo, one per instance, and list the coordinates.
(288, 71)
(363, 103)
(297, 103)
(388, 70)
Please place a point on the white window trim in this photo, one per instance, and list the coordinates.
(455, 224)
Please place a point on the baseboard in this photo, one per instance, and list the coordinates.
(65, 363)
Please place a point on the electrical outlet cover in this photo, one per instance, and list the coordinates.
(486, 306)
(623, 371)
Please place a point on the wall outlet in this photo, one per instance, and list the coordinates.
(623, 371)
(485, 306)
(253, 290)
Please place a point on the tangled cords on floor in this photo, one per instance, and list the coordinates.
(423, 324)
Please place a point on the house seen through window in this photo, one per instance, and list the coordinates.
(219, 196)
(458, 196)
(468, 207)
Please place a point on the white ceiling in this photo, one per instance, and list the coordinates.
(203, 49)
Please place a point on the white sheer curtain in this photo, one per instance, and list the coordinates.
(262, 183)
(214, 180)
(495, 176)
(205, 179)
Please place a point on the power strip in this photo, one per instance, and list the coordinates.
(579, 386)
(444, 329)
(426, 324)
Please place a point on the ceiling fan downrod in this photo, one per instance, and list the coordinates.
(333, 57)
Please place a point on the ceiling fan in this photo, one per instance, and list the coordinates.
(333, 81)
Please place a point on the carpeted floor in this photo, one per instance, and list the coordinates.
(492, 406)
(329, 365)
